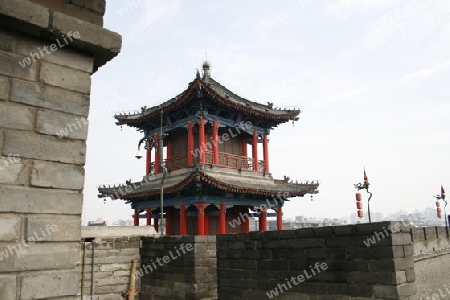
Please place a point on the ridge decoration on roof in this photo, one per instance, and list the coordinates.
(215, 92)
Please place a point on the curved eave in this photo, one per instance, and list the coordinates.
(288, 189)
(250, 108)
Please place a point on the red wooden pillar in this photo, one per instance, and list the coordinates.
(201, 218)
(280, 218)
(255, 151)
(215, 142)
(222, 219)
(148, 164)
(244, 146)
(182, 219)
(136, 217)
(246, 220)
(201, 140)
(190, 143)
(149, 216)
(157, 162)
(156, 223)
(169, 153)
(266, 154)
(168, 220)
(263, 221)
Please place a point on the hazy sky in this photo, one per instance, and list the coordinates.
(371, 78)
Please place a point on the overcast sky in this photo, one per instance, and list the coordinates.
(371, 79)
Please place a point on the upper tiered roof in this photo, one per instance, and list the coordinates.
(203, 89)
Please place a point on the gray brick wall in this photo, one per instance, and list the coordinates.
(250, 265)
(111, 259)
(41, 173)
(190, 275)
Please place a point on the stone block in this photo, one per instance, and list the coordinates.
(6, 41)
(25, 11)
(12, 170)
(60, 176)
(49, 284)
(29, 256)
(29, 200)
(44, 148)
(52, 52)
(61, 125)
(8, 287)
(53, 228)
(16, 116)
(65, 78)
(5, 87)
(11, 67)
(89, 33)
(9, 227)
(50, 97)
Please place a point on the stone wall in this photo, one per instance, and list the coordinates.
(363, 261)
(41, 173)
(111, 260)
(432, 262)
(169, 272)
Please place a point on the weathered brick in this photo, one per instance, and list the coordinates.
(9, 227)
(50, 97)
(7, 287)
(27, 256)
(62, 125)
(16, 116)
(64, 57)
(49, 284)
(52, 229)
(44, 148)
(66, 78)
(25, 11)
(89, 33)
(6, 41)
(5, 87)
(11, 67)
(60, 176)
(28, 200)
(12, 170)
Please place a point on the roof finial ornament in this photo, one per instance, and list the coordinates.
(206, 70)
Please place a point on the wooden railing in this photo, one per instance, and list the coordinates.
(225, 160)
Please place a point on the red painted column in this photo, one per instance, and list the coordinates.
(263, 221)
(148, 164)
(266, 154)
(201, 218)
(156, 223)
(201, 139)
(222, 219)
(215, 142)
(157, 162)
(255, 151)
(136, 217)
(190, 143)
(149, 216)
(168, 221)
(182, 219)
(244, 146)
(246, 220)
(280, 218)
(169, 154)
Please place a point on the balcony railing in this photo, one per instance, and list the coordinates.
(225, 160)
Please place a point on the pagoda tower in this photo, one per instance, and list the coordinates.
(203, 167)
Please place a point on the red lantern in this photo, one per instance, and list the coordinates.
(358, 196)
(438, 204)
(439, 214)
(360, 213)
(359, 205)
